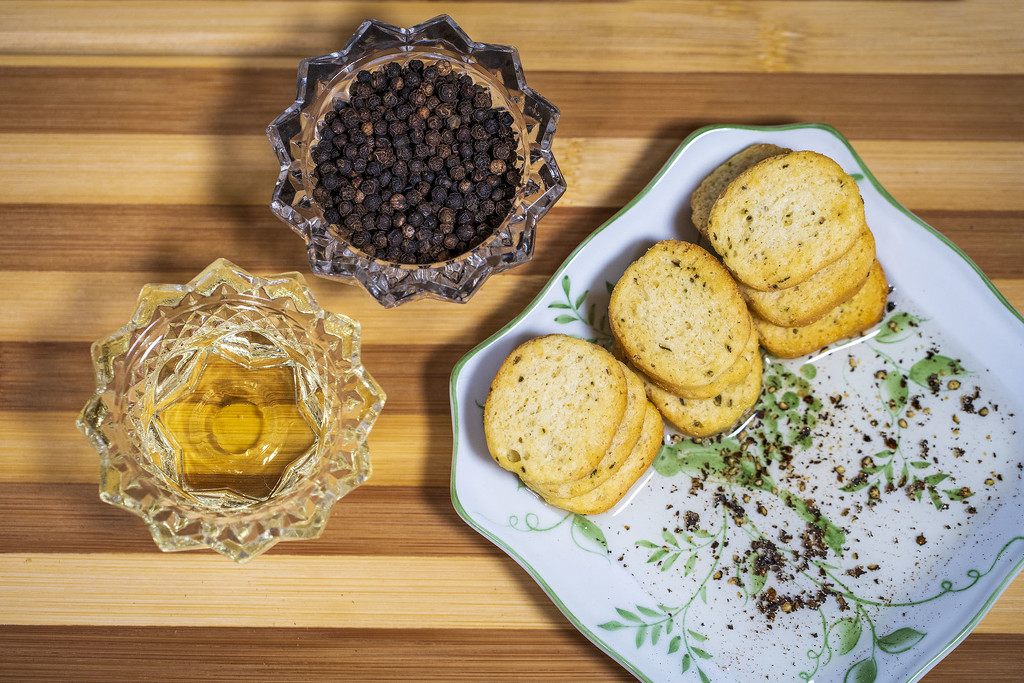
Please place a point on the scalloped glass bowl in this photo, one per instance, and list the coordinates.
(324, 80)
(231, 412)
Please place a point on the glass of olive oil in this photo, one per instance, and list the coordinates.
(231, 412)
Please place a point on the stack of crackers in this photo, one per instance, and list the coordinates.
(790, 227)
(798, 271)
(572, 421)
(683, 326)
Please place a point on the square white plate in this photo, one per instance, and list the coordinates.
(903, 492)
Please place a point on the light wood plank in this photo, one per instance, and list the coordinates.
(88, 306)
(225, 169)
(406, 450)
(199, 589)
(879, 37)
(76, 307)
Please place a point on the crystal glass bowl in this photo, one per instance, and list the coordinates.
(231, 412)
(324, 80)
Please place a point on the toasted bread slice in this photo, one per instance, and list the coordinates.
(554, 407)
(603, 497)
(707, 416)
(622, 444)
(786, 218)
(679, 316)
(736, 372)
(817, 295)
(707, 192)
(859, 313)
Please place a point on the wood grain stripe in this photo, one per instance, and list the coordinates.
(460, 592)
(89, 306)
(175, 237)
(276, 590)
(406, 450)
(240, 169)
(600, 104)
(303, 654)
(890, 37)
(186, 237)
(48, 376)
(427, 653)
(384, 521)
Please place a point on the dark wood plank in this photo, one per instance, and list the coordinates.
(177, 238)
(214, 654)
(593, 104)
(372, 520)
(57, 376)
(990, 657)
(38, 653)
(182, 238)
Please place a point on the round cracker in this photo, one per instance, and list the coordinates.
(679, 316)
(817, 295)
(786, 218)
(622, 444)
(554, 407)
(704, 417)
(615, 488)
(845, 320)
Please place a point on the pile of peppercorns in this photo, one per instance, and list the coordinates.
(417, 166)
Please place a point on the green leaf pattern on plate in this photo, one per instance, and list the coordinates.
(577, 311)
(788, 412)
(584, 533)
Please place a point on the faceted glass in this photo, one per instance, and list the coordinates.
(231, 412)
(324, 80)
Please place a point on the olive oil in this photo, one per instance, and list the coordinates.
(237, 426)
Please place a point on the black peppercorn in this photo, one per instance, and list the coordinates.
(371, 202)
(415, 151)
(448, 92)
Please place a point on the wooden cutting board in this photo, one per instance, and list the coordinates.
(132, 150)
